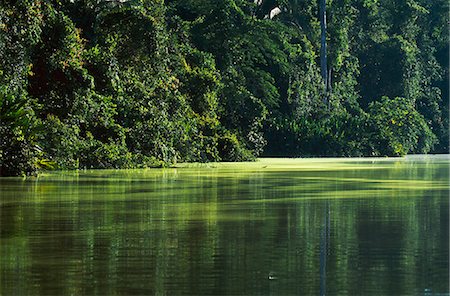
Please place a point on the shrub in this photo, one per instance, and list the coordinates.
(398, 128)
(19, 153)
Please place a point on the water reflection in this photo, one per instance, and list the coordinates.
(277, 227)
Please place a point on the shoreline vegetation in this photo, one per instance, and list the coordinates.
(150, 83)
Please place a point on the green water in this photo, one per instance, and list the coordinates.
(274, 227)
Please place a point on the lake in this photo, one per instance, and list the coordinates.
(272, 227)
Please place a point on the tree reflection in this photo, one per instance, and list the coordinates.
(223, 232)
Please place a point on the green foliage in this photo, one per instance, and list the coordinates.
(334, 134)
(231, 149)
(122, 84)
(398, 128)
(19, 152)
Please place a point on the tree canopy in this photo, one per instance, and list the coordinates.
(142, 83)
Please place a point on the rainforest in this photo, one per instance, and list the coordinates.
(151, 83)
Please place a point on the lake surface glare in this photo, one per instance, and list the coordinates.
(272, 227)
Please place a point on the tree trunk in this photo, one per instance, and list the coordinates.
(323, 45)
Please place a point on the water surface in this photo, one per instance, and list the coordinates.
(273, 227)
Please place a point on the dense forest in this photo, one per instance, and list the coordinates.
(143, 83)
